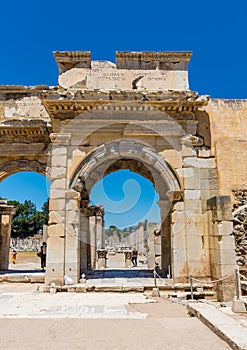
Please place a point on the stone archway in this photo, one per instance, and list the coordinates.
(12, 167)
(139, 158)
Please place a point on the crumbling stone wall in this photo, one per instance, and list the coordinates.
(240, 227)
(26, 244)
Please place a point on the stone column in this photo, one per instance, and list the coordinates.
(165, 211)
(6, 212)
(84, 243)
(95, 214)
(55, 269)
(92, 234)
(179, 263)
(99, 225)
(150, 244)
(73, 237)
(222, 246)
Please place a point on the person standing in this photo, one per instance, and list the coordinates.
(14, 256)
(42, 255)
(134, 256)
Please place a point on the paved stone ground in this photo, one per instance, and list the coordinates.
(32, 320)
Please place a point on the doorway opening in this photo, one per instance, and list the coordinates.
(131, 206)
(28, 193)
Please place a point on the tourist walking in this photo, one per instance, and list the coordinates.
(42, 255)
(134, 256)
(14, 256)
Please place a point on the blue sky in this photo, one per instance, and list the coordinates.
(30, 30)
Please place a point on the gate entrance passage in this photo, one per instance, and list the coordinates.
(136, 114)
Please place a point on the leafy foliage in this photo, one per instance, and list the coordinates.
(115, 230)
(27, 221)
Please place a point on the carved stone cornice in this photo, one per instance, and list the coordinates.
(164, 56)
(68, 59)
(21, 131)
(95, 210)
(68, 109)
(24, 131)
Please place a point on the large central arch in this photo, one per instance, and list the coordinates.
(132, 155)
(142, 159)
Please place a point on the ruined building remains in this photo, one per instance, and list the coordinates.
(137, 114)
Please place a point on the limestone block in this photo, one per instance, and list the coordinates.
(56, 230)
(56, 217)
(191, 178)
(172, 157)
(227, 256)
(209, 184)
(54, 274)
(55, 249)
(105, 75)
(59, 184)
(72, 244)
(57, 193)
(178, 206)
(225, 228)
(199, 163)
(58, 172)
(59, 151)
(194, 244)
(72, 230)
(59, 161)
(207, 194)
(56, 204)
(208, 173)
(73, 217)
(25, 107)
(238, 306)
(72, 205)
(204, 153)
(192, 206)
(221, 208)
(192, 194)
(188, 151)
(191, 229)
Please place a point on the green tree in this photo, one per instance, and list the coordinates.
(27, 221)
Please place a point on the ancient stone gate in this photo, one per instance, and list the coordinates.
(137, 114)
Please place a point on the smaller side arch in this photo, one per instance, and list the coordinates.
(15, 166)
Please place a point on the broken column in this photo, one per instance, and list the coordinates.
(6, 213)
(221, 246)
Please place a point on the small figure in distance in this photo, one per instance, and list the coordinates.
(14, 256)
(134, 256)
(42, 255)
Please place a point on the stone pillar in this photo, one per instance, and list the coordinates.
(73, 237)
(99, 225)
(55, 269)
(127, 258)
(84, 244)
(165, 210)
(96, 239)
(179, 263)
(102, 258)
(6, 212)
(150, 244)
(221, 246)
(92, 234)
